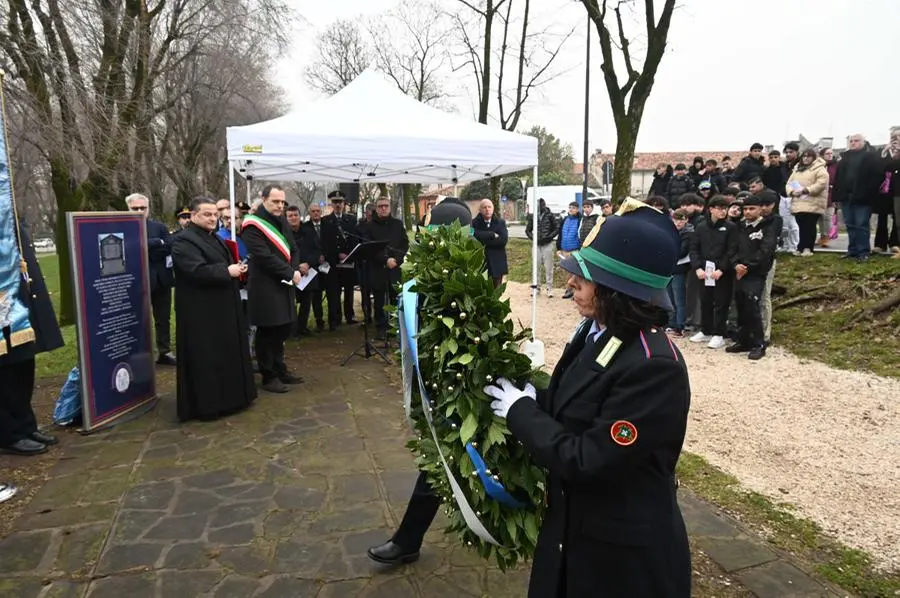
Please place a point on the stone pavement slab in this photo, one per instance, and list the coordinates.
(279, 501)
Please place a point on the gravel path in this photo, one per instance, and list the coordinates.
(826, 441)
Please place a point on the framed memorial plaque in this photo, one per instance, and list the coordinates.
(112, 297)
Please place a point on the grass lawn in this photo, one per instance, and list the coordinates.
(59, 362)
(830, 292)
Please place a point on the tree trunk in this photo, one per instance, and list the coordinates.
(67, 200)
(417, 189)
(495, 194)
(627, 139)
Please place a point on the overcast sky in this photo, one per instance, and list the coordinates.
(735, 72)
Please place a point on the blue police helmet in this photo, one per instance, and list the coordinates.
(633, 253)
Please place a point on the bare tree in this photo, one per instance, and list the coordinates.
(94, 74)
(343, 54)
(306, 193)
(415, 55)
(524, 59)
(629, 98)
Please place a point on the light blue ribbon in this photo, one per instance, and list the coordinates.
(409, 302)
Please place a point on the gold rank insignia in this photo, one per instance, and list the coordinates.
(609, 351)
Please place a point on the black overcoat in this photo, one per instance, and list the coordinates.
(494, 239)
(613, 527)
(215, 376)
(35, 297)
(159, 246)
(391, 230)
(271, 303)
(309, 248)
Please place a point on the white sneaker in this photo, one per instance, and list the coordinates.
(716, 342)
(549, 293)
(806, 253)
(700, 338)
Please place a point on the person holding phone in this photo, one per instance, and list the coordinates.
(214, 374)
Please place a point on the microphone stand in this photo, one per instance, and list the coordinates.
(367, 349)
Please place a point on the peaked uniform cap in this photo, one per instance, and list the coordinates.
(633, 252)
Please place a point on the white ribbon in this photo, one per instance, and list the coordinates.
(409, 358)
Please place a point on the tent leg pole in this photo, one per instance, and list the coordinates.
(535, 288)
(231, 196)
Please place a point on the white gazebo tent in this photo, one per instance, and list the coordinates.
(371, 132)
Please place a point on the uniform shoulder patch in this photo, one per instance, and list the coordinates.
(608, 352)
(623, 432)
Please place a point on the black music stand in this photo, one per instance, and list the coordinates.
(366, 251)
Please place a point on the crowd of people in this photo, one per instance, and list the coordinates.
(260, 285)
(733, 220)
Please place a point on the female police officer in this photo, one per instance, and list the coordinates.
(610, 427)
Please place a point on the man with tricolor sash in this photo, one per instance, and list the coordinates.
(274, 270)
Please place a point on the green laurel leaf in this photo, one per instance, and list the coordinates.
(531, 529)
(462, 354)
(468, 429)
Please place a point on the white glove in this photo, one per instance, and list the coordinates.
(506, 394)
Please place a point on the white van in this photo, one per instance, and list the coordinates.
(558, 197)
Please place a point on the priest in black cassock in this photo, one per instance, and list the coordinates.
(215, 376)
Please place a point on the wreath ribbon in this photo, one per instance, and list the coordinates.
(408, 323)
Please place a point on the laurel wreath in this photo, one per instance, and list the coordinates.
(466, 340)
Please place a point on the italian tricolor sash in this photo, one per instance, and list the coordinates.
(272, 234)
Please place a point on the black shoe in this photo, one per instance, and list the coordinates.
(568, 294)
(757, 353)
(738, 348)
(25, 447)
(288, 379)
(166, 359)
(276, 386)
(381, 335)
(44, 438)
(304, 332)
(352, 322)
(391, 554)
(320, 327)
(332, 327)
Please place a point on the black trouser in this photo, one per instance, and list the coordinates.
(16, 387)
(383, 297)
(308, 298)
(808, 224)
(714, 304)
(340, 279)
(423, 506)
(882, 238)
(747, 294)
(270, 351)
(161, 300)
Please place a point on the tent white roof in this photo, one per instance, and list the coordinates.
(369, 132)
